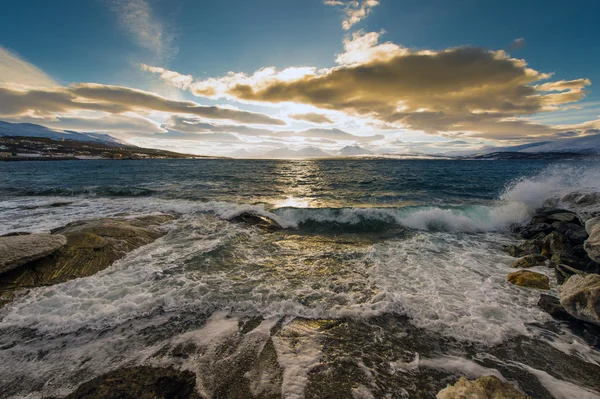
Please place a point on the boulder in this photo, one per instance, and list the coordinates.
(260, 221)
(533, 230)
(592, 244)
(568, 217)
(564, 272)
(17, 250)
(488, 387)
(526, 278)
(529, 247)
(141, 382)
(580, 296)
(554, 244)
(529, 261)
(576, 234)
(552, 306)
(91, 245)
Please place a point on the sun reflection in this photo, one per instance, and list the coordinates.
(300, 182)
(293, 202)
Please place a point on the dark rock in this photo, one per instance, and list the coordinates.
(16, 233)
(564, 272)
(91, 245)
(141, 382)
(529, 261)
(529, 247)
(568, 217)
(254, 219)
(529, 279)
(552, 306)
(531, 231)
(576, 234)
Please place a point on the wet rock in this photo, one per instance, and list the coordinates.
(533, 230)
(568, 217)
(254, 219)
(526, 278)
(580, 296)
(15, 233)
(554, 244)
(529, 261)
(91, 245)
(576, 234)
(141, 382)
(17, 250)
(552, 306)
(529, 247)
(592, 244)
(488, 387)
(564, 272)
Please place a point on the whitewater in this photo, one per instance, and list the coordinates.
(391, 272)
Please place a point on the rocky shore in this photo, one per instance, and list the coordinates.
(247, 365)
(560, 240)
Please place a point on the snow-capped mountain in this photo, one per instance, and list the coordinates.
(353, 150)
(585, 144)
(33, 130)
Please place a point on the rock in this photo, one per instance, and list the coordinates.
(552, 306)
(564, 272)
(254, 219)
(529, 247)
(17, 250)
(576, 234)
(543, 215)
(488, 387)
(526, 278)
(592, 244)
(141, 382)
(531, 231)
(580, 296)
(554, 244)
(16, 233)
(568, 217)
(529, 261)
(91, 245)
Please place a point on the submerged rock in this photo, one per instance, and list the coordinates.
(488, 387)
(91, 245)
(254, 219)
(526, 278)
(580, 296)
(141, 382)
(592, 244)
(529, 261)
(17, 250)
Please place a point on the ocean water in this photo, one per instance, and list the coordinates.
(389, 279)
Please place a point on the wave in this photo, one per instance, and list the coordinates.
(90, 191)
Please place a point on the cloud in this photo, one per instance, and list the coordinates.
(464, 89)
(517, 44)
(312, 117)
(197, 125)
(354, 10)
(17, 72)
(114, 100)
(109, 123)
(137, 17)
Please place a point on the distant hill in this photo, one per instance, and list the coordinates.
(585, 144)
(354, 150)
(286, 153)
(8, 129)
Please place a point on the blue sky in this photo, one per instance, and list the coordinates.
(490, 72)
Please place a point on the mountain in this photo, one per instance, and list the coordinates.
(286, 153)
(353, 150)
(585, 145)
(33, 130)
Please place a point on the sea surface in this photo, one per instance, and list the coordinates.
(388, 281)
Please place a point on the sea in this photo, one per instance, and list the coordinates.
(387, 281)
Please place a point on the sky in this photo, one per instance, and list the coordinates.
(284, 78)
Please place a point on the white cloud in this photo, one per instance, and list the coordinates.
(354, 10)
(17, 72)
(137, 17)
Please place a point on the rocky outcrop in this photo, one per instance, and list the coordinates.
(529, 261)
(91, 245)
(254, 219)
(580, 296)
(592, 244)
(529, 279)
(488, 387)
(16, 250)
(141, 382)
